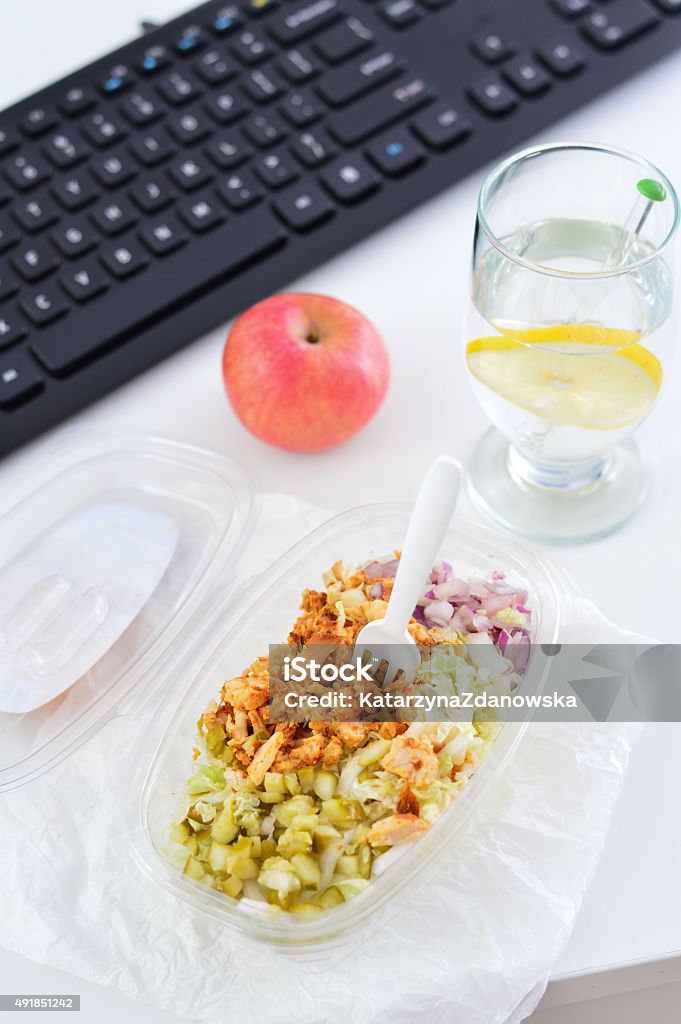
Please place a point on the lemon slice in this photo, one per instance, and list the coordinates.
(571, 385)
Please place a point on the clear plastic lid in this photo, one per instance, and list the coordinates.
(116, 550)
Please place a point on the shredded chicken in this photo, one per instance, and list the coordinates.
(412, 758)
(396, 828)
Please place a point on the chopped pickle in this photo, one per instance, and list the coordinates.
(232, 886)
(180, 833)
(331, 897)
(194, 869)
(307, 869)
(292, 783)
(215, 739)
(306, 779)
(286, 812)
(224, 830)
(274, 783)
(348, 865)
(342, 812)
(373, 752)
(219, 856)
(305, 909)
(291, 842)
(325, 783)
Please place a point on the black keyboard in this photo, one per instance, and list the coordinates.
(159, 191)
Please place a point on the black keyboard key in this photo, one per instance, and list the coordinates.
(226, 20)
(153, 59)
(301, 108)
(441, 126)
(350, 178)
(9, 140)
(19, 380)
(75, 238)
(5, 193)
(227, 151)
(152, 148)
(250, 46)
(313, 148)
(8, 235)
(562, 57)
(304, 206)
(190, 172)
(619, 22)
(34, 261)
(396, 152)
(152, 194)
(25, 172)
(84, 281)
(38, 120)
(141, 108)
(163, 237)
(400, 13)
(201, 213)
(43, 306)
(275, 169)
(124, 259)
(239, 190)
(214, 68)
(350, 82)
(264, 129)
(64, 150)
(36, 213)
(257, 7)
(73, 193)
(8, 286)
(116, 79)
(379, 110)
(227, 106)
(572, 8)
(113, 169)
(298, 65)
(491, 47)
(77, 100)
(113, 215)
(12, 329)
(178, 88)
(526, 76)
(294, 24)
(190, 39)
(103, 129)
(261, 86)
(189, 126)
(343, 41)
(492, 96)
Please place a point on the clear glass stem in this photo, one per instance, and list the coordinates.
(558, 477)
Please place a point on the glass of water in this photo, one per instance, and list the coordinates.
(569, 335)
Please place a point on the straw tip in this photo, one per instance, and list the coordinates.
(651, 189)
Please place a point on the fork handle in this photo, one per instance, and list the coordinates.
(427, 527)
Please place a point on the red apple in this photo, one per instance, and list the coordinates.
(305, 372)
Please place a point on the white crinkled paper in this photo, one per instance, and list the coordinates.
(475, 947)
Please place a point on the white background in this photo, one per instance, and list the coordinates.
(411, 281)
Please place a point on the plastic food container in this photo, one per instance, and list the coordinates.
(194, 623)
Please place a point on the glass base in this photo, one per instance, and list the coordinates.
(557, 514)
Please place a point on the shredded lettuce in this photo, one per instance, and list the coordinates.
(209, 779)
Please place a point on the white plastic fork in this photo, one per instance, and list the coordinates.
(388, 638)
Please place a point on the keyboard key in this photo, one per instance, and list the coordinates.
(8, 286)
(153, 148)
(250, 47)
(44, 306)
(113, 169)
(292, 25)
(73, 193)
(19, 380)
(563, 58)
(190, 172)
(117, 78)
(239, 190)
(343, 41)
(34, 261)
(301, 108)
(493, 97)
(226, 20)
(8, 235)
(141, 108)
(12, 329)
(103, 129)
(352, 81)
(619, 22)
(124, 260)
(264, 129)
(9, 140)
(152, 194)
(189, 126)
(226, 107)
(153, 59)
(227, 151)
(64, 150)
(275, 169)
(214, 68)
(24, 172)
(163, 237)
(350, 178)
(113, 216)
(313, 148)
(257, 7)
(77, 100)
(571, 8)
(178, 88)
(38, 120)
(526, 76)
(5, 193)
(201, 213)
(396, 152)
(304, 206)
(190, 39)
(35, 214)
(441, 126)
(84, 282)
(298, 66)
(75, 238)
(261, 86)
(379, 110)
(491, 47)
(400, 13)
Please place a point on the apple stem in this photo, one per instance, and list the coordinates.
(312, 337)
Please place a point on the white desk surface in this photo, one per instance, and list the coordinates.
(411, 281)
